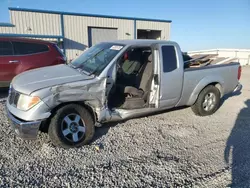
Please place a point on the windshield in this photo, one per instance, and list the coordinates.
(96, 58)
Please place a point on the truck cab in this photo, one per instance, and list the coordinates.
(113, 81)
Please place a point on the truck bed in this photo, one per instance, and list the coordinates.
(207, 60)
(196, 77)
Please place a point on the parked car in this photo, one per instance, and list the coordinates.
(21, 54)
(113, 81)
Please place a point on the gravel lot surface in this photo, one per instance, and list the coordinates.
(171, 149)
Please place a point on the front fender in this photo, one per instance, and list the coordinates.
(215, 80)
(93, 93)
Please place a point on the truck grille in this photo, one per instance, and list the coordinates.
(13, 97)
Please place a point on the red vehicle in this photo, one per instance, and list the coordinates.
(21, 54)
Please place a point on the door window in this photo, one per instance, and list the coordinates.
(5, 48)
(169, 58)
(23, 48)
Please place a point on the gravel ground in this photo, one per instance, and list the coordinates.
(172, 149)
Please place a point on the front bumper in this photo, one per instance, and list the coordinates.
(25, 130)
(238, 87)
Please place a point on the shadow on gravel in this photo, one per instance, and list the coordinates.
(3, 93)
(239, 143)
(227, 96)
(101, 131)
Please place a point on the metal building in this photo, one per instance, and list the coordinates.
(240, 55)
(77, 31)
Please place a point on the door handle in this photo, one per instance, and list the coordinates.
(14, 61)
(156, 79)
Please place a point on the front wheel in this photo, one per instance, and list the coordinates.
(71, 126)
(207, 102)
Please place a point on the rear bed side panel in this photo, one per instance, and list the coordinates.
(202, 84)
(197, 79)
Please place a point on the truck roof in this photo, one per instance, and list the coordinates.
(143, 41)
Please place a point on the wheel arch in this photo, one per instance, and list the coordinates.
(45, 125)
(216, 81)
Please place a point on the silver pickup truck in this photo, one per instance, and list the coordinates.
(113, 81)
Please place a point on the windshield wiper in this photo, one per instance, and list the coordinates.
(94, 71)
(85, 72)
(71, 65)
(79, 69)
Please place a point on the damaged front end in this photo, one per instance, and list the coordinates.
(90, 92)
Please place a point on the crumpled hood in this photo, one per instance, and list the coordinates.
(32, 80)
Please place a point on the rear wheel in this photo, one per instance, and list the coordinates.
(71, 126)
(207, 102)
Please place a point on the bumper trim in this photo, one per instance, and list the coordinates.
(25, 130)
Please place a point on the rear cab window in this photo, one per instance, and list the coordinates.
(6, 48)
(169, 58)
(25, 48)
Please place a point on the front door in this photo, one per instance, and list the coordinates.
(171, 76)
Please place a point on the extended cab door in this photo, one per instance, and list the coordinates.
(171, 75)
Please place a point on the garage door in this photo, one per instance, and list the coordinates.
(97, 35)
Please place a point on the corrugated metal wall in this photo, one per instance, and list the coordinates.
(164, 27)
(39, 23)
(76, 31)
(76, 37)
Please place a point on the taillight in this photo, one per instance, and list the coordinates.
(239, 72)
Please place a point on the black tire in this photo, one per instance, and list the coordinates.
(198, 108)
(55, 128)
